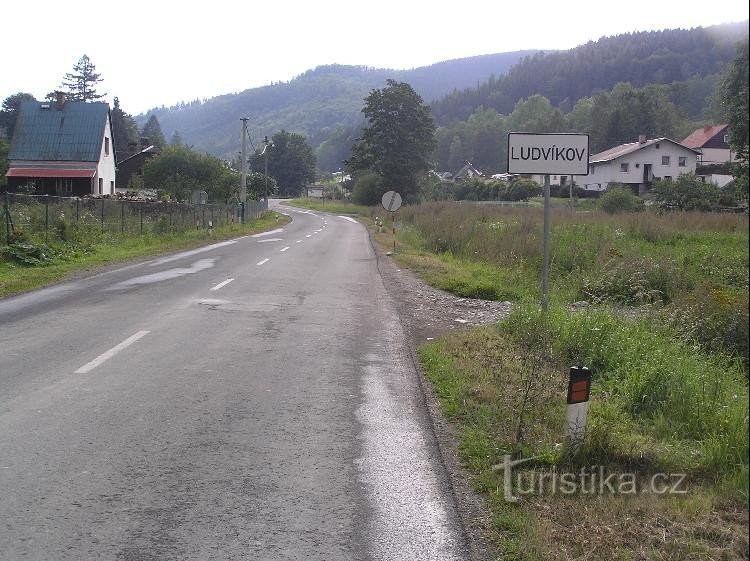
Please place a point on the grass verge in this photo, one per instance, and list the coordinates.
(335, 207)
(658, 406)
(87, 251)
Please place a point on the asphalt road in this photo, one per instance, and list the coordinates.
(249, 400)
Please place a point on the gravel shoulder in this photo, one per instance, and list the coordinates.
(427, 313)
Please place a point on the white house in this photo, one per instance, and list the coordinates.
(638, 164)
(63, 148)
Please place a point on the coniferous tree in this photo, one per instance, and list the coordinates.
(124, 131)
(152, 131)
(81, 83)
(9, 112)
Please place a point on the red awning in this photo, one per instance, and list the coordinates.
(49, 172)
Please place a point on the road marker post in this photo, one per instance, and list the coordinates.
(579, 390)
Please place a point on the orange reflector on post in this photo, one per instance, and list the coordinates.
(579, 386)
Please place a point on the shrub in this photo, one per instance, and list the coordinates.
(687, 192)
(620, 199)
(367, 189)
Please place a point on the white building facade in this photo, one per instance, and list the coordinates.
(638, 164)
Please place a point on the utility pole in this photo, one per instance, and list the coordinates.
(265, 154)
(243, 163)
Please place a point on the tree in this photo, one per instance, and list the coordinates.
(398, 140)
(179, 171)
(81, 83)
(291, 162)
(9, 113)
(176, 139)
(124, 131)
(152, 131)
(735, 101)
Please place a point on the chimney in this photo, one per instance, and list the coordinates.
(641, 139)
(60, 100)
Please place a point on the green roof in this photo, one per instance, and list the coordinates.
(73, 133)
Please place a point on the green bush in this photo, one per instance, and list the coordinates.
(687, 192)
(620, 199)
(367, 189)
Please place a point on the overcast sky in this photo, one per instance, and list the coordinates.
(163, 51)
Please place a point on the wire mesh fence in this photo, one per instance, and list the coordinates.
(50, 217)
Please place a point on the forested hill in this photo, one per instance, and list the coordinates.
(319, 103)
(563, 77)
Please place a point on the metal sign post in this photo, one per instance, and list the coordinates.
(559, 154)
(391, 202)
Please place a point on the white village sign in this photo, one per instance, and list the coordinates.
(554, 153)
(558, 154)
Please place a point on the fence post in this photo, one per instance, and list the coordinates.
(78, 209)
(7, 218)
(122, 216)
(140, 208)
(46, 217)
(102, 216)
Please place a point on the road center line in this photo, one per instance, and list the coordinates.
(261, 262)
(221, 284)
(308, 236)
(284, 249)
(298, 241)
(110, 353)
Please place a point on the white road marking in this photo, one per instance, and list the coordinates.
(308, 236)
(298, 241)
(276, 231)
(349, 218)
(261, 262)
(111, 352)
(189, 253)
(169, 274)
(284, 249)
(221, 284)
(271, 240)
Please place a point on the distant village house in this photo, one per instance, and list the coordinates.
(638, 164)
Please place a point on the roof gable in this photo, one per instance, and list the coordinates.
(700, 137)
(73, 133)
(625, 149)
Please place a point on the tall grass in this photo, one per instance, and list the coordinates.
(675, 392)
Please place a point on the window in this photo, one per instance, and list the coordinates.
(112, 187)
(64, 186)
(682, 161)
(667, 178)
(624, 167)
(106, 146)
(101, 186)
(637, 165)
(665, 160)
(726, 139)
